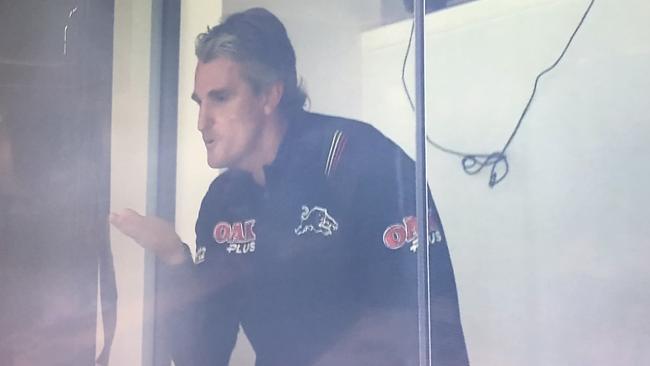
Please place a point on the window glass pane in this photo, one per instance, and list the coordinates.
(262, 152)
(305, 252)
(554, 248)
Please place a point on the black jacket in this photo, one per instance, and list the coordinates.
(319, 265)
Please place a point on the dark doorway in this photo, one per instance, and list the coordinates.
(55, 106)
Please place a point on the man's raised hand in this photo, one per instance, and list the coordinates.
(152, 233)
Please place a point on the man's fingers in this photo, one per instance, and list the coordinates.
(127, 214)
(130, 213)
(127, 221)
(150, 232)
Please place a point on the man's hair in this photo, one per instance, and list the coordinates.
(257, 40)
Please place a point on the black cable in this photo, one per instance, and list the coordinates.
(474, 163)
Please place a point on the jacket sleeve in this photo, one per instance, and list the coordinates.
(199, 322)
(388, 242)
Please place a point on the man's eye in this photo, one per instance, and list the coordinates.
(219, 98)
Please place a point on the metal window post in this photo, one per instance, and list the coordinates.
(424, 333)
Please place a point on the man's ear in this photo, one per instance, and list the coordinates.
(273, 95)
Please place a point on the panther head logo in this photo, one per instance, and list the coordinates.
(317, 220)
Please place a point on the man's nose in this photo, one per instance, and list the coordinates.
(204, 119)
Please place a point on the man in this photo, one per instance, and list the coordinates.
(308, 239)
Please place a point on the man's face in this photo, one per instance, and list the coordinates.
(231, 114)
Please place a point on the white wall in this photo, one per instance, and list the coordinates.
(129, 146)
(550, 264)
(326, 36)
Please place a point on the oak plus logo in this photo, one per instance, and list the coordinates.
(397, 235)
(238, 236)
(317, 220)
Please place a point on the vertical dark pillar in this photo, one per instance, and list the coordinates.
(162, 165)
